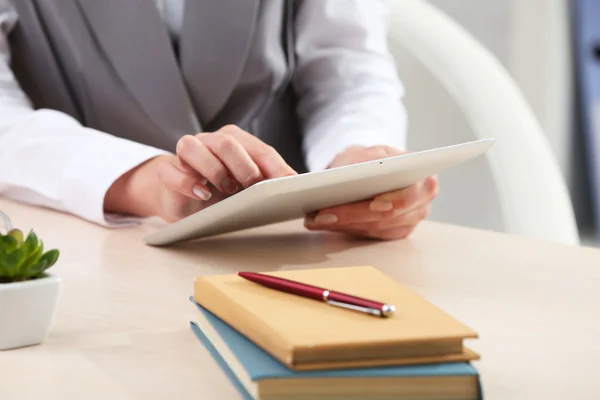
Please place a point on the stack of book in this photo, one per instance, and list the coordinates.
(277, 345)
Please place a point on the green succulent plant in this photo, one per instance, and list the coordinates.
(22, 258)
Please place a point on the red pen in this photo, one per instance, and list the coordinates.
(328, 296)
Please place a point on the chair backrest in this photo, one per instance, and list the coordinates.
(517, 187)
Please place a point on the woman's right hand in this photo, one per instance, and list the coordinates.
(206, 168)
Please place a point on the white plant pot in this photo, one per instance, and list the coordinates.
(27, 311)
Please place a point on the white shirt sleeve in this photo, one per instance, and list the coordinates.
(48, 159)
(346, 79)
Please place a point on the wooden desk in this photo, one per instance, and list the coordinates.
(122, 329)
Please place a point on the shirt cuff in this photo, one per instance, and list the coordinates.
(92, 173)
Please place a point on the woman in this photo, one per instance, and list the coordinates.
(115, 109)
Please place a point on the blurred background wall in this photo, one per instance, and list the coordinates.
(532, 40)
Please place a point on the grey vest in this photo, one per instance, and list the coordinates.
(111, 65)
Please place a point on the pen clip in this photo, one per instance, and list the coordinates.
(367, 310)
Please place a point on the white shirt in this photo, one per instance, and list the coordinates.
(346, 80)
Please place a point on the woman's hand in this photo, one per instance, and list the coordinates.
(392, 215)
(206, 168)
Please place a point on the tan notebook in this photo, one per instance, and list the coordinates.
(307, 334)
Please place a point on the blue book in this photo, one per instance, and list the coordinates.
(257, 375)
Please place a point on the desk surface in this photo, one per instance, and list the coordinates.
(122, 328)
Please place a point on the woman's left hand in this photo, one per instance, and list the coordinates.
(388, 216)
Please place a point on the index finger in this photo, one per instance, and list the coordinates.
(360, 212)
(403, 198)
(268, 160)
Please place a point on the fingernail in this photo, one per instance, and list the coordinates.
(326, 219)
(201, 192)
(431, 183)
(381, 205)
(229, 185)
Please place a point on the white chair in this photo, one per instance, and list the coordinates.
(457, 91)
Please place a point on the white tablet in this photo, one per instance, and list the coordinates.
(282, 199)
